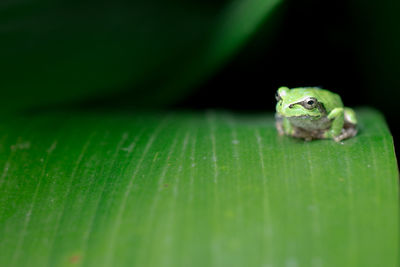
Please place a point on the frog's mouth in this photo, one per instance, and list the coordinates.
(292, 111)
(305, 117)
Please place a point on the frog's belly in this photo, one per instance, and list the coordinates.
(310, 124)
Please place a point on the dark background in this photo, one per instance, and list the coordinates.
(313, 47)
(68, 55)
(331, 45)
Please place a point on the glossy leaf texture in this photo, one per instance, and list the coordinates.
(194, 189)
(154, 50)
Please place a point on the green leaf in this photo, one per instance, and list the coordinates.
(212, 189)
(156, 49)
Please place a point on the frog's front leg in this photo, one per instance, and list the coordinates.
(283, 126)
(337, 117)
(287, 127)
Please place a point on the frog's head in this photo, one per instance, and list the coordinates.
(298, 102)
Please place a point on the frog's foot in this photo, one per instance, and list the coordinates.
(307, 135)
(349, 130)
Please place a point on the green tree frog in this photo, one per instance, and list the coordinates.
(313, 113)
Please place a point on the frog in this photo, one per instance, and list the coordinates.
(311, 113)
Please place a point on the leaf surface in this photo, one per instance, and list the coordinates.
(194, 189)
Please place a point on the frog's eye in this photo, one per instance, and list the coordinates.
(278, 97)
(310, 103)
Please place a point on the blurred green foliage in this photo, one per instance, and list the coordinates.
(60, 51)
(55, 52)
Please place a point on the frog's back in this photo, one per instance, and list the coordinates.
(328, 99)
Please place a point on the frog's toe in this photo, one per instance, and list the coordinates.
(339, 138)
(346, 133)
